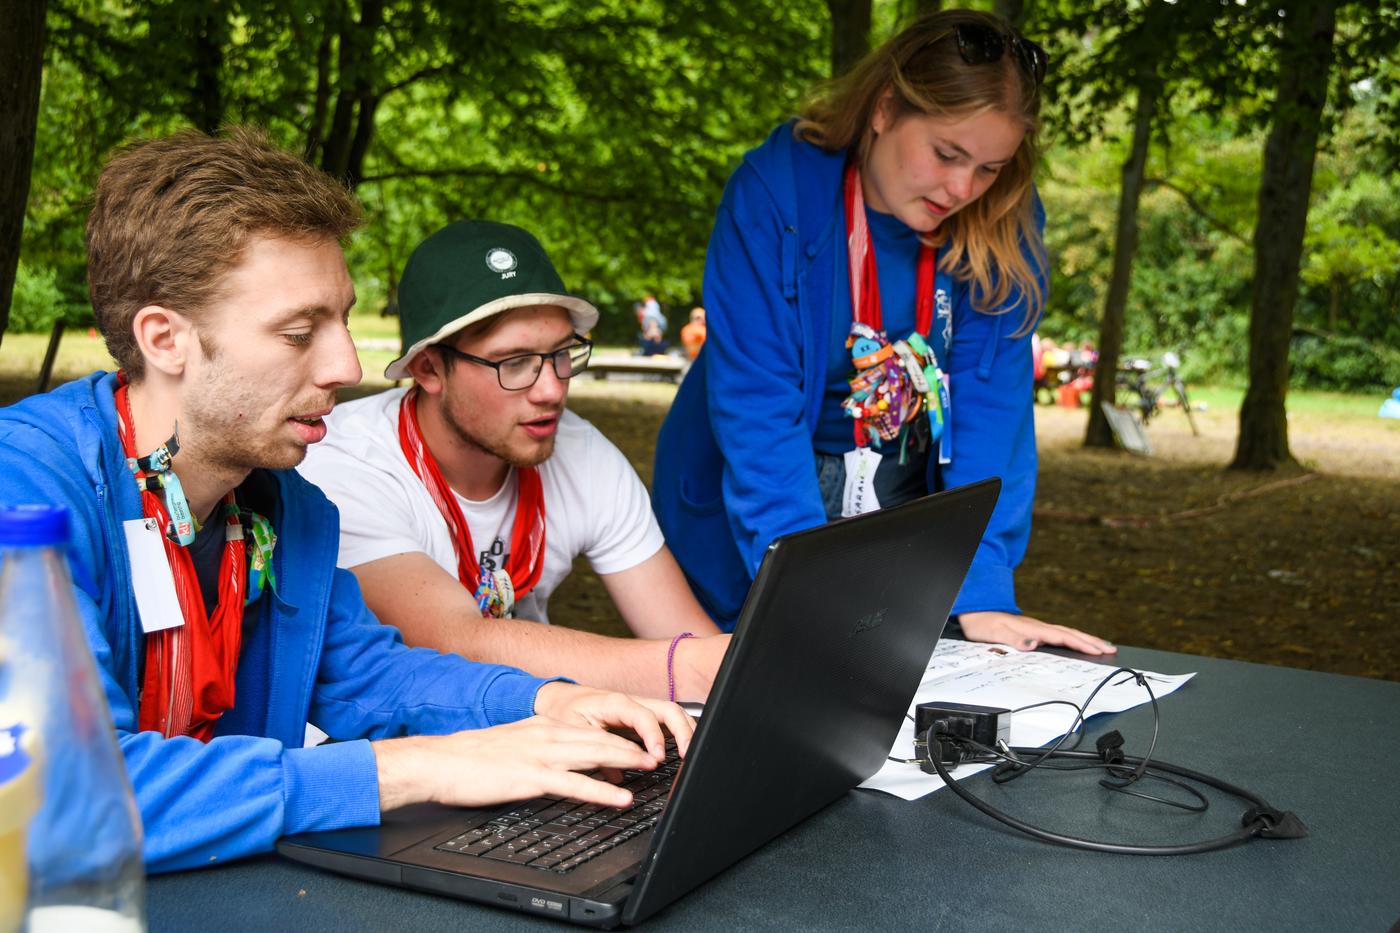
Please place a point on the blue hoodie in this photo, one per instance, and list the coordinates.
(313, 653)
(734, 459)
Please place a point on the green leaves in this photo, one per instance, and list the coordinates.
(38, 303)
(1218, 66)
(607, 128)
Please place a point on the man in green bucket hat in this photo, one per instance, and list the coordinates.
(218, 278)
(465, 497)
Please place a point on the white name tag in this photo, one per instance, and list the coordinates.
(151, 579)
(859, 496)
(945, 443)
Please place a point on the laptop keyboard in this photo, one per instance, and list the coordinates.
(558, 835)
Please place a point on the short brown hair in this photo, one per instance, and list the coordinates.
(173, 216)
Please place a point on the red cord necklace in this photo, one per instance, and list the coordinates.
(189, 679)
(496, 592)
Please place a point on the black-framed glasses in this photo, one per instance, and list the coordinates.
(979, 44)
(516, 373)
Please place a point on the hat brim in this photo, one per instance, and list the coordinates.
(583, 315)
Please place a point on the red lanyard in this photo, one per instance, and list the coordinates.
(189, 680)
(865, 280)
(526, 561)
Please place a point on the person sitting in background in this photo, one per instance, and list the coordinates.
(1055, 357)
(693, 333)
(1077, 377)
(218, 279)
(1088, 356)
(651, 311)
(653, 340)
(473, 491)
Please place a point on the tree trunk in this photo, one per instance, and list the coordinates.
(352, 125)
(41, 384)
(323, 91)
(1010, 10)
(850, 33)
(1304, 62)
(21, 72)
(1125, 243)
(206, 106)
(335, 145)
(364, 135)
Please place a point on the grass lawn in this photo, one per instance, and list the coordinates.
(1311, 403)
(1291, 568)
(82, 351)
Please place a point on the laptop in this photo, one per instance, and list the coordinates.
(830, 646)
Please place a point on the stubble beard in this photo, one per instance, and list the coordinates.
(222, 441)
(496, 449)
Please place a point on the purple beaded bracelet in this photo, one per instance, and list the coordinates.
(671, 664)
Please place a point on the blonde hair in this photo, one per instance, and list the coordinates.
(923, 73)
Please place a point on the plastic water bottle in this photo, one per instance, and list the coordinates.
(70, 834)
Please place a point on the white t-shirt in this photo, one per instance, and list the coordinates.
(594, 502)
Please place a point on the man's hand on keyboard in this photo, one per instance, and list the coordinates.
(529, 758)
(607, 710)
(534, 757)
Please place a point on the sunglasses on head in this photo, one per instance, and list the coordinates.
(979, 44)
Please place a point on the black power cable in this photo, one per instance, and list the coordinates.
(1260, 821)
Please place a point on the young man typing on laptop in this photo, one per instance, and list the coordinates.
(465, 498)
(219, 282)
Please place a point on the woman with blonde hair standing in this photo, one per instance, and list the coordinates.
(872, 281)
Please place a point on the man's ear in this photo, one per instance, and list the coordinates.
(429, 370)
(164, 338)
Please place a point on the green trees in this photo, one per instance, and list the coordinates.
(1141, 52)
(1157, 70)
(610, 127)
(607, 128)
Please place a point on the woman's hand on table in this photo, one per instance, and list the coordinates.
(1026, 633)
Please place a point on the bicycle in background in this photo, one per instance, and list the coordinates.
(1148, 384)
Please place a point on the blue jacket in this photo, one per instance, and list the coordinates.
(313, 653)
(734, 460)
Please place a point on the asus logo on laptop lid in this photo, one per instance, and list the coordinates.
(869, 622)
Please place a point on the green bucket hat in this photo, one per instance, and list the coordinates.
(469, 271)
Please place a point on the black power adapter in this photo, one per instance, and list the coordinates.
(938, 726)
(947, 734)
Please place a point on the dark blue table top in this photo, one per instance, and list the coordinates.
(1324, 746)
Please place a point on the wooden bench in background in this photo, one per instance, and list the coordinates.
(603, 365)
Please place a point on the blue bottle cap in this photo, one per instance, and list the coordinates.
(33, 525)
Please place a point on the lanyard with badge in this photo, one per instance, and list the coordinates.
(190, 655)
(496, 590)
(894, 382)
